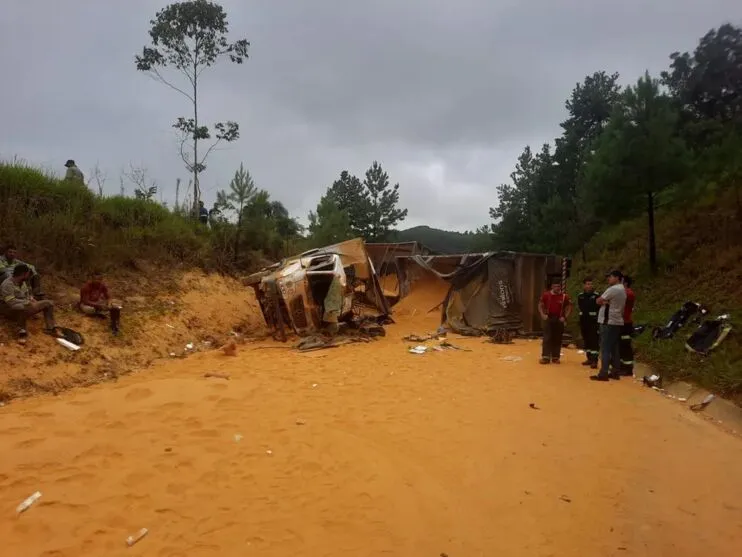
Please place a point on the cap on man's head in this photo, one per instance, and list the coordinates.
(615, 273)
(69, 163)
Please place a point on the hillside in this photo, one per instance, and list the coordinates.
(700, 256)
(440, 241)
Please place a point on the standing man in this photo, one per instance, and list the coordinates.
(203, 213)
(554, 307)
(626, 351)
(610, 318)
(73, 173)
(587, 303)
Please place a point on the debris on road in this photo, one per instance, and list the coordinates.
(703, 404)
(511, 358)
(533, 405)
(131, 540)
(445, 344)
(653, 380)
(230, 349)
(217, 375)
(26, 504)
(565, 499)
(237, 437)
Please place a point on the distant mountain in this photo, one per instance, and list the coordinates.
(440, 241)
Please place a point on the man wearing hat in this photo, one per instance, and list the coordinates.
(610, 318)
(73, 173)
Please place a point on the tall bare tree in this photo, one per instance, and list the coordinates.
(190, 37)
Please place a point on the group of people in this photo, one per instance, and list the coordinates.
(21, 296)
(606, 325)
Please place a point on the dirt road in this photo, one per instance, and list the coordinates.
(368, 450)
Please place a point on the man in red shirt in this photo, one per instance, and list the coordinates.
(554, 307)
(626, 351)
(95, 301)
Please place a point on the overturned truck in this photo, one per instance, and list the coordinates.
(487, 292)
(320, 289)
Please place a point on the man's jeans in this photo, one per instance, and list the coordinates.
(610, 336)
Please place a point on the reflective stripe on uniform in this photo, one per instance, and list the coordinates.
(627, 362)
(9, 299)
(625, 337)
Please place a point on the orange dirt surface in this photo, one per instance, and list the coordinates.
(367, 450)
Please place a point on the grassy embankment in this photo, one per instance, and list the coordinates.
(700, 256)
(66, 230)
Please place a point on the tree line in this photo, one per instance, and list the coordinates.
(627, 151)
(623, 151)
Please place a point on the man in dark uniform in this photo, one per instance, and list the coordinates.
(587, 302)
(626, 351)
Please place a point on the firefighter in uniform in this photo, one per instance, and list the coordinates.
(587, 303)
(625, 349)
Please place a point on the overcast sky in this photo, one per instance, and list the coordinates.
(445, 94)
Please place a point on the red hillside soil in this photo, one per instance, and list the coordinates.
(362, 450)
(160, 317)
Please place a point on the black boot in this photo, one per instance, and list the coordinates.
(115, 320)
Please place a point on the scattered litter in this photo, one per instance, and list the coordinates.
(217, 375)
(230, 349)
(580, 351)
(238, 437)
(565, 499)
(131, 540)
(418, 338)
(501, 336)
(683, 399)
(189, 346)
(654, 381)
(3, 404)
(315, 385)
(446, 344)
(511, 358)
(269, 452)
(533, 405)
(67, 344)
(301, 422)
(703, 404)
(172, 354)
(26, 504)
(169, 325)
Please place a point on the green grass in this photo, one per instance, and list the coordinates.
(700, 256)
(64, 227)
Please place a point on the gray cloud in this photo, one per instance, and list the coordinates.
(443, 94)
